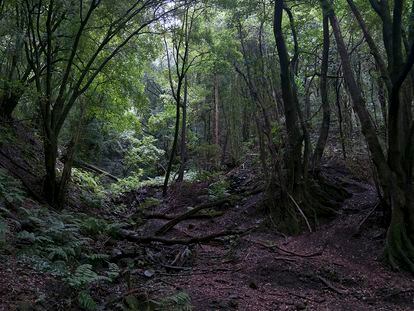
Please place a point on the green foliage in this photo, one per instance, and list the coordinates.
(143, 154)
(127, 184)
(84, 275)
(92, 226)
(219, 189)
(7, 135)
(11, 189)
(180, 301)
(149, 202)
(3, 231)
(276, 133)
(86, 301)
(93, 192)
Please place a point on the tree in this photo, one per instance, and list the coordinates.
(394, 165)
(14, 70)
(66, 54)
(324, 130)
(179, 62)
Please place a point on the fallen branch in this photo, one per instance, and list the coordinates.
(330, 286)
(358, 228)
(171, 217)
(93, 168)
(171, 224)
(134, 237)
(301, 212)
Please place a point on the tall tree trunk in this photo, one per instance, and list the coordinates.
(340, 118)
(324, 130)
(174, 145)
(216, 111)
(68, 161)
(50, 186)
(294, 148)
(383, 102)
(183, 144)
(368, 128)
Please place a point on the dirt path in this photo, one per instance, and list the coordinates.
(345, 273)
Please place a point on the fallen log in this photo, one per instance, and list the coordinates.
(134, 237)
(93, 168)
(171, 224)
(171, 217)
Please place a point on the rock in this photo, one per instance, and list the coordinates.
(253, 285)
(300, 306)
(116, 253)
(149, 273)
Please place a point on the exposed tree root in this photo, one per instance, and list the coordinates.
(271, 245)
(320, 197)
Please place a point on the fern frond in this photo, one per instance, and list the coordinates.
(86, 301)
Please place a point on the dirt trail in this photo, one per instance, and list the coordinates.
(334, 269)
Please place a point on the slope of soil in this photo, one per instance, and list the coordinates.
(334, 268)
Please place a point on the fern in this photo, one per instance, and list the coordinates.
(57, 252)
(86, 301)
(84, 275)
(93, 226)
(96, 258)
(180, 301)
(11, 189)
(3, 231)
(113, 271)
(27, 236)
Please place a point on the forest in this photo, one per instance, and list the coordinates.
(206, 155)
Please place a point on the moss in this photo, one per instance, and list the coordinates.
(399, 249)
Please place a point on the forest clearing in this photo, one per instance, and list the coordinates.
(206, 155)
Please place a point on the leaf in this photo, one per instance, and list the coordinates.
(86, 301)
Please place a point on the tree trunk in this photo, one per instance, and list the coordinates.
(293, 155)
(174, 145)
(324, 131)
(216, 111)
(8, 103)
(183, 145)
(50, 187)
(68, 163)
(340, 118)
(368, 128)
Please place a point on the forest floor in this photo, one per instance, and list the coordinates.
(337, 267)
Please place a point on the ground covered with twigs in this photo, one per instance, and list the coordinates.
(207, 246)
(338, 267)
